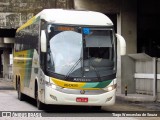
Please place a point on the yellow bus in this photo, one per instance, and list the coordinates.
(66, 57)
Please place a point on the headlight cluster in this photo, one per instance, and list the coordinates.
(110, 88)
(50, 85)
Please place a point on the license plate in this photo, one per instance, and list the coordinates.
(79, 99)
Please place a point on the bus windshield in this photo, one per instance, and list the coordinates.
(76, 52)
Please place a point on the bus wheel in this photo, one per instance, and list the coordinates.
(20, 94)
(40, 105)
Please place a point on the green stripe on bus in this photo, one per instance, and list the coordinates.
(97, 84)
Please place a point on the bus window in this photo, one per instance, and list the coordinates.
(65, 50)
(99, 44)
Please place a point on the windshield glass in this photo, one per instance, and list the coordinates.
(80, 52)
(65, 49)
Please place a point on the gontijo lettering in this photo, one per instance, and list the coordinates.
(71, 85)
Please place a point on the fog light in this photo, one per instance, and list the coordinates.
(108, 99)
(53, 97)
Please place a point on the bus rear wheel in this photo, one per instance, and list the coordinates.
(20, 94)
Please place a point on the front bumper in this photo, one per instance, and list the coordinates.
(52, 96)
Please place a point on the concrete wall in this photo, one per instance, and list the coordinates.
(144, 86)
(141, 73)
(13, 13)
(127, 75)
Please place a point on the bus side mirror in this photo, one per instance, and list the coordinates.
(43, 41)
(122, 43)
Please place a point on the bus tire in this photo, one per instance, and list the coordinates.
(20, 94)
(40, 105)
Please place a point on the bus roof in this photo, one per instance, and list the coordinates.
(74, 17)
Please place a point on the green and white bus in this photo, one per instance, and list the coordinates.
(66, 57)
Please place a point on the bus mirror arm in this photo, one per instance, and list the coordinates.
(122, 43)
(43, 41)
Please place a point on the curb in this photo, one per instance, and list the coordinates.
(7, 88)
(135, 98)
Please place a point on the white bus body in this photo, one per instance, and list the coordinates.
(66, 57)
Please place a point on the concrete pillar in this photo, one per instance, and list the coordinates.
(118, 67)
(1, 66)
(155, 78)
(119, 24)
(5, 63)
(128, 24)
(127, 27)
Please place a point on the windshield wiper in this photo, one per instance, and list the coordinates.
(97, 73)
(73, 67)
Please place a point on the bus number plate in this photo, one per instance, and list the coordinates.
(79, 99)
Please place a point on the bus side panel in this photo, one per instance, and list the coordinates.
(34, 73)
(23, 67)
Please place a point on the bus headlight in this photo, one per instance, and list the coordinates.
(50, 85)
(110, 88)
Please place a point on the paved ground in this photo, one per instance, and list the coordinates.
(9, 102)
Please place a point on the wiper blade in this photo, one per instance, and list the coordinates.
(73, 67)
(97, 73)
